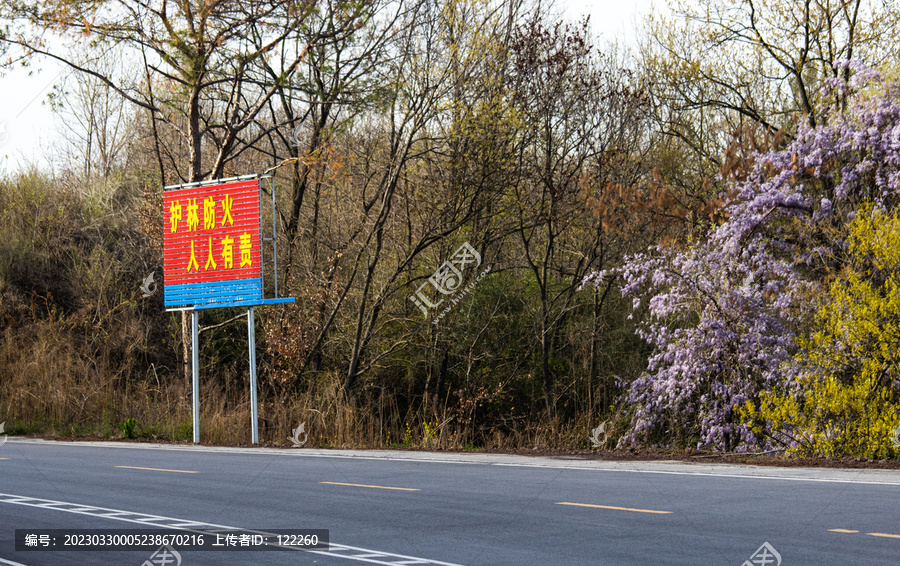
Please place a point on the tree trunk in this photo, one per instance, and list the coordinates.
(196, 175)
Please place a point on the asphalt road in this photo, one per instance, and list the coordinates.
(388, 507)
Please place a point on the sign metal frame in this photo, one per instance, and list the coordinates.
(231, 287)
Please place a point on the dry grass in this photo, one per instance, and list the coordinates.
(54, 391)
(81, 351)
(81, 374)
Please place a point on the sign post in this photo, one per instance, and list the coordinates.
(213, 258)
(195, 371)
(251, 332)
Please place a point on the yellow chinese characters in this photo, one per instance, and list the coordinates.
(199, 216)
(193, 220)
(246, 247)
(209, 258)
(226, 255)
(227, 252)
(227, 203)
(192, 262)
(209, 213)
(176, 213)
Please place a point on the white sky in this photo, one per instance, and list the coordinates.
(612, 20)
(26, 124)
(28, 132)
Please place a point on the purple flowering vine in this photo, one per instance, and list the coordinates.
(724, 315)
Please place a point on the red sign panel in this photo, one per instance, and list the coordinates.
(211, 243)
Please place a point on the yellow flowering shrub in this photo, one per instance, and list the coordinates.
(845, 399)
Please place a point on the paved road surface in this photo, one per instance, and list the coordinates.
(388, 507)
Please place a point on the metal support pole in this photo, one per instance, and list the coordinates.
(253, 413)
(262, 258)
(274, 237)
(195, 371)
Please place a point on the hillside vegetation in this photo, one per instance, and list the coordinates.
(691, 244)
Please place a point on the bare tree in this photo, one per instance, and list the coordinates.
(716, 65)
(204, 80)
(94, 118)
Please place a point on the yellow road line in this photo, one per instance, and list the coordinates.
(372, 486)
(846, 531)
(615, 508)
(158, 470)
(883, 535)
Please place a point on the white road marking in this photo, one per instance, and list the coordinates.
(755, 477)
(10, 562)
(845, 476)
(358, 554)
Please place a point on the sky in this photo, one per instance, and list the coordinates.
(611, 19)
(29, 130)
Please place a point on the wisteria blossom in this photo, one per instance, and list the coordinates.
(724, 314)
